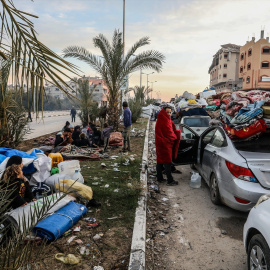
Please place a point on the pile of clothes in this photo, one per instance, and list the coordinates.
(242, 113)
(215, 101)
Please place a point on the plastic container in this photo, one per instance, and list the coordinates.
(69, 167)
(195, 180)
(77, 176)
(56, 158)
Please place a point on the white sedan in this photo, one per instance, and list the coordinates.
(257, 235)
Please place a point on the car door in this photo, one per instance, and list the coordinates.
(211, 158)
(187, 151)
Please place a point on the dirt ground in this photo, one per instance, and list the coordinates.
(112, 250)
(186, 231)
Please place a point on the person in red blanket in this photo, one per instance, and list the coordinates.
(167, 140)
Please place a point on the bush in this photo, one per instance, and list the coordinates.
(136, 110)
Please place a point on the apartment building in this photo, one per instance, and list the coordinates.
(254, 67)
(100, 90)
(224, 75)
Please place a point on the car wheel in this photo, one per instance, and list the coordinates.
(214, 190)
(258, 253)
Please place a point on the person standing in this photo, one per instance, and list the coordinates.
(73, 114)
(127, 126)
(167, 139)
(106, 133)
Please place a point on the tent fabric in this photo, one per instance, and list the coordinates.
(52, 227)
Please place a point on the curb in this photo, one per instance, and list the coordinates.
(137, 253)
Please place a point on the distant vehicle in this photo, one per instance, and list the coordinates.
(237, 172)
(257, 235)
(198, 123)
(172, 100)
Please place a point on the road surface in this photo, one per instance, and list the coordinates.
(185, 230)
(52, 121)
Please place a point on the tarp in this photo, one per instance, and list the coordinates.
(56, 224)
(53, 202)
(27, 158)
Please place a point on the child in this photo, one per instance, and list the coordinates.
(106, 132)
(83, 141)
(13, 179)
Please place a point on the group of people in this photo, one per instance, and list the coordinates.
(90, 136)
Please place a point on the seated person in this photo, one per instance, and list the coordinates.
(66, 126)
(83, 141)
(76, 133)
(58, 139)
(14, 180)
(67, 136)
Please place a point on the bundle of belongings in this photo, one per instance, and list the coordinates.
(245, 114)
(215, 101)
(39, 193)
(188, 100)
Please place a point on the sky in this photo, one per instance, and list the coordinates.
(187, 32)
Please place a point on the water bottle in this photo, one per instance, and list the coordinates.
(195, 180)
(77, 177)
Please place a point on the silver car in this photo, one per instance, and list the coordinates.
(198, 123)
(238, 173)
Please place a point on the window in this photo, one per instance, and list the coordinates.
(249, 52)
(207, 138)
(225, 56)
(248, 79)
(218, 139)
(242, 56)
(224, 75)
(265, 78)
(266, 50)
(249, 66)
(225, 65)
(265, 64)
(196, 122)
(241, 69)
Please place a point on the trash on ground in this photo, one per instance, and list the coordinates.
(116, 169)
(98, 268)
(103, 165)
(90, 220)
(116, 190)
(164, 199)
(71, 239)
(95, 184)
(77, 229)
(195, 180)
(69, 259)
(97, 237)
(93, 225)
(107, 185)
(78, 241)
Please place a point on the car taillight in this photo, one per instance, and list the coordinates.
(241, 172)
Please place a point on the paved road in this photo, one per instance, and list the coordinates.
(51, 122)
(188, 232)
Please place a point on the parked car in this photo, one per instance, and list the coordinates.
(237, 172)
(257, 235)
(198, 123)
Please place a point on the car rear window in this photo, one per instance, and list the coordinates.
(259, 144)
(196, 122)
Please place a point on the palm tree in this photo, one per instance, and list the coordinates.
(114, 67)
(140, 93)
(30, 62)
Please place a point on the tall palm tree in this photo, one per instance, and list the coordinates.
(114, 67)
(31, 62)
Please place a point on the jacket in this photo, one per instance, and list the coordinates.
(167, 138)
(127, 117)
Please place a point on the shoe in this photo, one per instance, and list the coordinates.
(172, 183)
(162, 180)
(177, 171)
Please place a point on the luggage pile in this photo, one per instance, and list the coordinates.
(245, 114)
